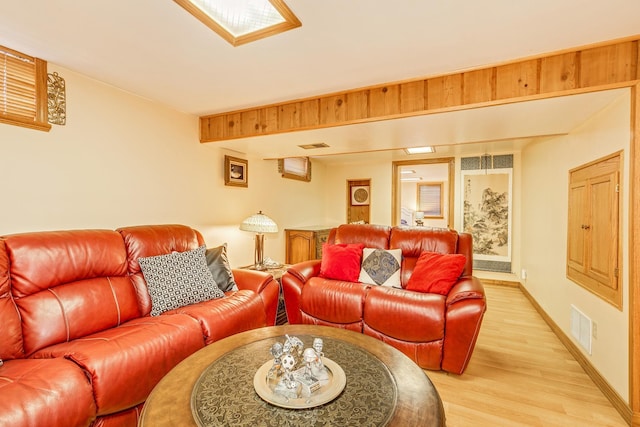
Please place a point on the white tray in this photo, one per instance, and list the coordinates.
(326, 393)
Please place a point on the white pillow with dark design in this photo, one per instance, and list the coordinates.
(381, 267)
(178, 279)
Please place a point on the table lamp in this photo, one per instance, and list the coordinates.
(259, 224)
(419, 217)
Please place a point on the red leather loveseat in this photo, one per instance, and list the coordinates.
(437, 331)
(77, 344)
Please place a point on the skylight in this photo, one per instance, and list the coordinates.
(242, 21)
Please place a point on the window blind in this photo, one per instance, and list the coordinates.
(22, 89)
(430, 199)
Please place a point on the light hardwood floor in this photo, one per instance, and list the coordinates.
(521, 375)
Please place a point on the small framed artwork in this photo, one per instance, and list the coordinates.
(360, 195)
(236, 171)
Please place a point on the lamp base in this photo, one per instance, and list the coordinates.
(258, 258)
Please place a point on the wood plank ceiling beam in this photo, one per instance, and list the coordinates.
(596, 67)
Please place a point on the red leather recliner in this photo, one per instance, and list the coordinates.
(77, 343)
(437, 332)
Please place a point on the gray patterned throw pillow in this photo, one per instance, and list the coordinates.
(178, 279)
(381, 267)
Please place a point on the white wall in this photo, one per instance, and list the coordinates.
(546, 166)
(123, 160)
(361, 167)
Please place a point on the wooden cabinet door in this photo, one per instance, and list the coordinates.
(301, 246)
(577, 219)
(602, 230)
(593, 228)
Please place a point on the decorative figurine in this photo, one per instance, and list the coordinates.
(297, 373)
(288, 386)
(276, 370)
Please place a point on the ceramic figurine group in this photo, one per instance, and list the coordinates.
(297, 373)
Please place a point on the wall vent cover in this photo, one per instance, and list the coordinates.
(581, 328)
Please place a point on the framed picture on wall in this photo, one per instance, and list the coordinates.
(236, 171)
(487, 212)
(360, 195)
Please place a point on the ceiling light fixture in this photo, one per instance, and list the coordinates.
(243, 21)
(420, 150)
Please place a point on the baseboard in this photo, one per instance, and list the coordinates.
(507, 283)
(618, 402)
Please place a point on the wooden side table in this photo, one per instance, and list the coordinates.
(276, 272)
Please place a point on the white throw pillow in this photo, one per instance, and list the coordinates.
(381, 267)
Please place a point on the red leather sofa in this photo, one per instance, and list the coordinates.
(77, 344)
(436, 331)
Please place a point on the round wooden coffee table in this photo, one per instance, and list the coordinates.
(398, 394)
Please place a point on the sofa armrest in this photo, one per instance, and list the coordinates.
(467, 287)
(264, 285)
(465, 308)
(292, 282)
(253, 280)
(305, 270)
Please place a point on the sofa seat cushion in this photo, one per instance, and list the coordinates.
(126, 362)
(219, 318)
(333, 301)
(55, 387)
(405, 315)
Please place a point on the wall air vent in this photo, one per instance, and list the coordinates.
(313, 146)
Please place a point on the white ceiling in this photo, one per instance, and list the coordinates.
(155, 49)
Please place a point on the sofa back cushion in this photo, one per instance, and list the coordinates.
(153, 240)
(414, 240)
(69, 284)
(371, 236)
(10, 329)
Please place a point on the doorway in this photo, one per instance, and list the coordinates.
(423, 192)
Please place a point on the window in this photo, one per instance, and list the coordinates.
(242, 21)
(23, 90)
(593, 255)
(295, 168)
(430, 199)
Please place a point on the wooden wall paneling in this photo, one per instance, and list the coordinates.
(234, 125)
(358, 212)
(269, 119)
(638, 60)
(310, 113)
(590, 68)
(384, 101)
(412, 96)
(518, 79)
(333, 109)
(212, 128)
(444, 91)
(478, 86)
(634, 257)
(357, 105)
(608, 64)
(250, 122)
(559, 72)
(289, 116)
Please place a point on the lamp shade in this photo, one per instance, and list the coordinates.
(259, 223)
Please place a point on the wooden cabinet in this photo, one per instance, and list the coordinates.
(593, 228)
(304, 243)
